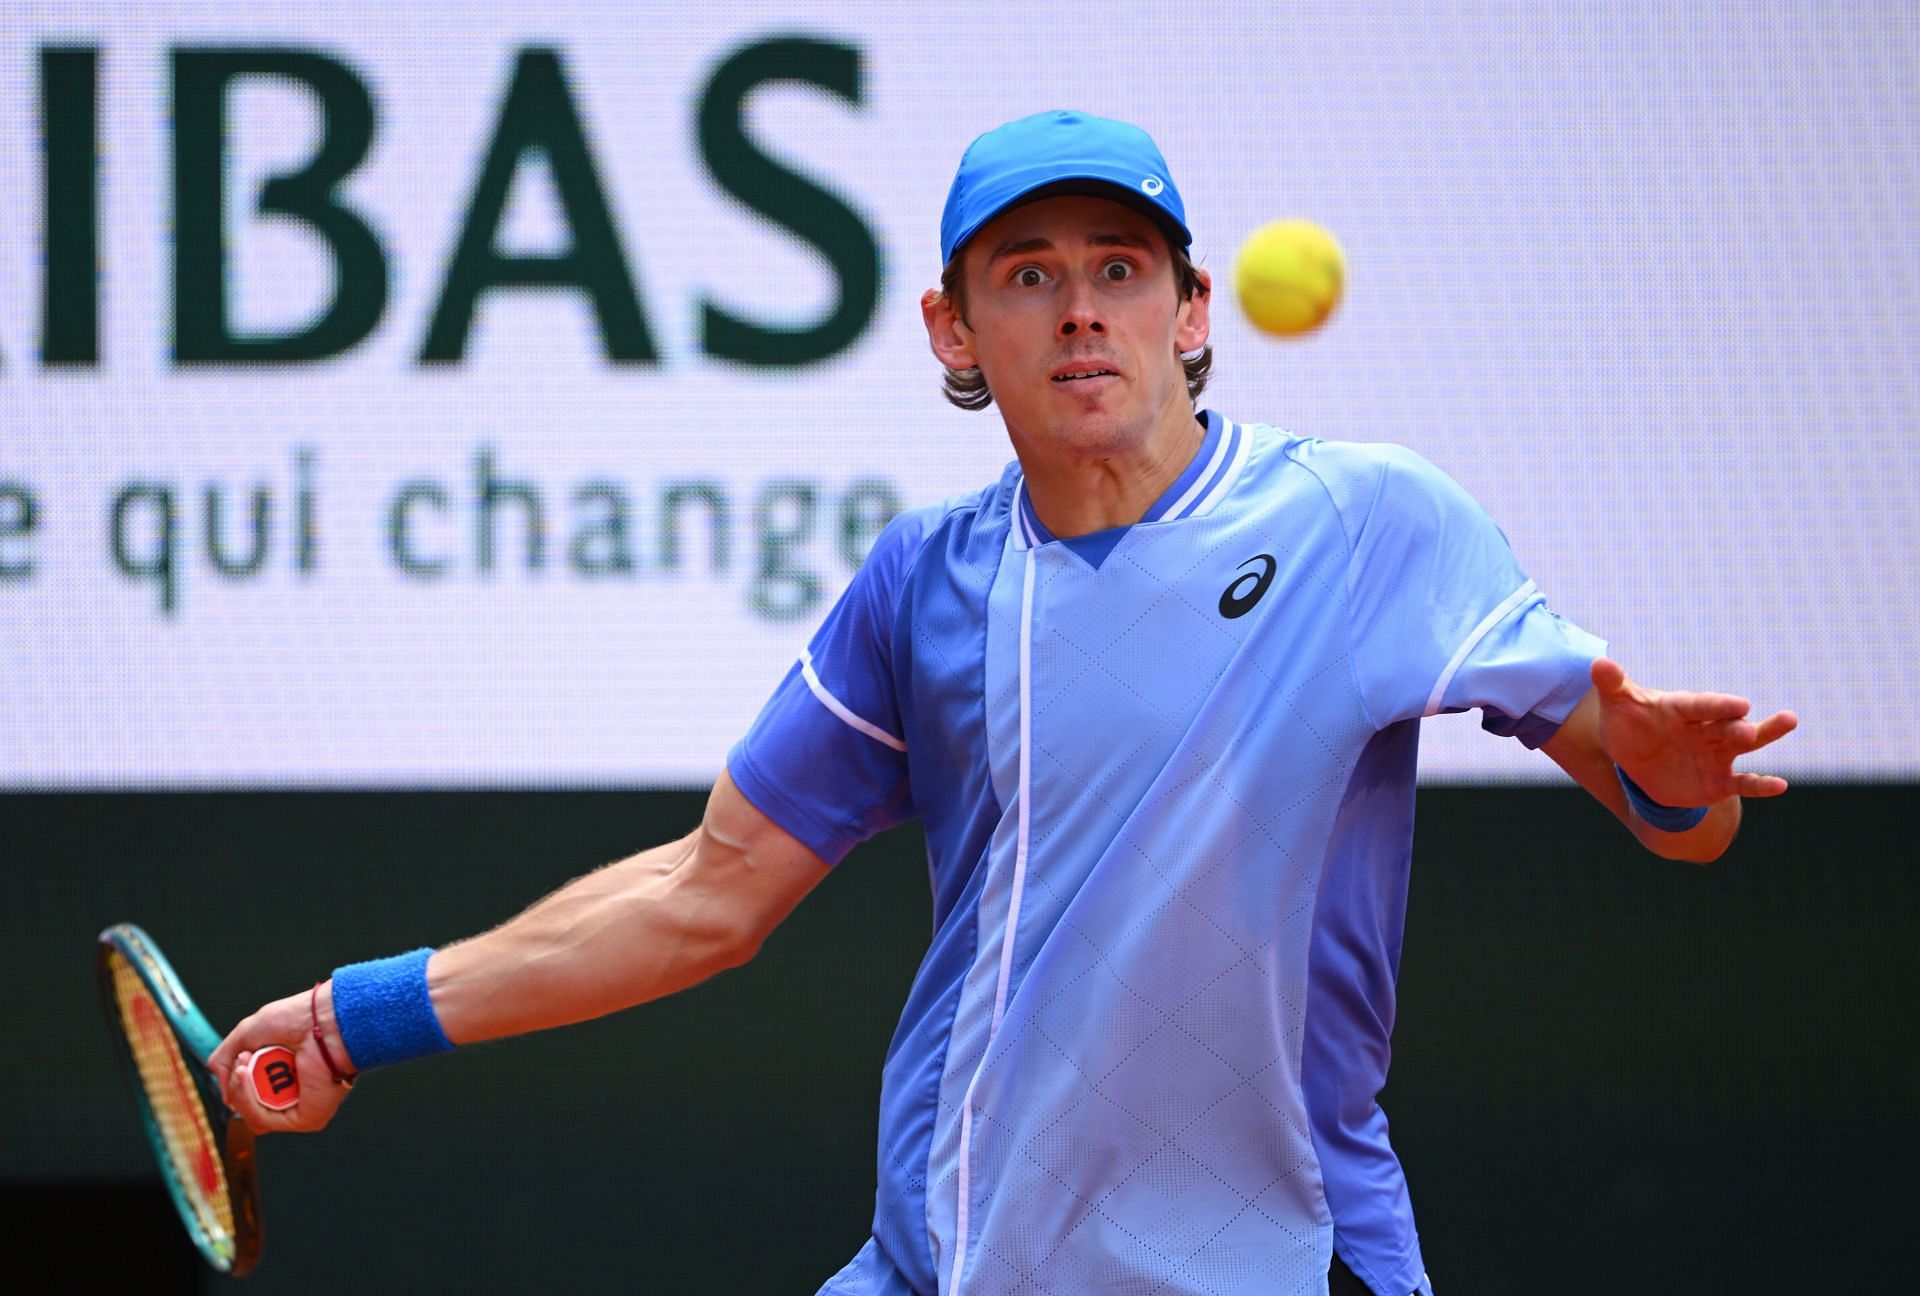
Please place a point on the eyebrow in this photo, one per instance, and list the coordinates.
(1022, 246)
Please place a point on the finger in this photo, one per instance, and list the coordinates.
(244, 1106)
(230, 1086)
(1609, 677)
(265, 1120)
(309, 1116)
(262, 1119)
(1758, 785)
(232, 1050)
(1698, 708)
(1742, 737)
(1737, 736)
(221, 1060)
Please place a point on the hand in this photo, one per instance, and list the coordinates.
(287, 1022)
(1680, 747)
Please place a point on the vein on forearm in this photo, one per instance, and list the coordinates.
(627, 933)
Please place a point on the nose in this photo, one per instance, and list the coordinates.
(1080, 310)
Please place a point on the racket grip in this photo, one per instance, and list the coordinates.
(274, 1080)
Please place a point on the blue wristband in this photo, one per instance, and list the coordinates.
(1671, 819)
(384, 1012)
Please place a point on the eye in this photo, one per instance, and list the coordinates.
(1029, 276)
(1117, 271)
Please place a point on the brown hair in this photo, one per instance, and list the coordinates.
(967, 388)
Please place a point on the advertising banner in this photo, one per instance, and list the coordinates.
(469, 396)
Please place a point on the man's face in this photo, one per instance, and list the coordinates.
(1074, 320)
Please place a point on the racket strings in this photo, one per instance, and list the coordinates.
(174, 1099)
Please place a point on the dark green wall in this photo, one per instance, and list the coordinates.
(1612, 1074)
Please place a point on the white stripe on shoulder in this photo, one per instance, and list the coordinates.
(1022, 538)
(1205, 475)
(1242, 447)
(839, 708)
(1472, 641)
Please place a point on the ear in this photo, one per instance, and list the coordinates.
(1191, 323)
(947, 333)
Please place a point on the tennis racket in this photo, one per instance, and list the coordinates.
(204, 1150)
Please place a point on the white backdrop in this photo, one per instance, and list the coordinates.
(1645, 282)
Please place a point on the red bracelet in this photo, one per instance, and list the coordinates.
(339, 1077)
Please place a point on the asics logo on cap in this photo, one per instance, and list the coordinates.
(1152, 185)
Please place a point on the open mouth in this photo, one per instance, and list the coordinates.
(1083, 375)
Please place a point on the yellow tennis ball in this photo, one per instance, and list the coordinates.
(1289, 276)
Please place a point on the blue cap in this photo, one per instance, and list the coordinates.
(1060, 152)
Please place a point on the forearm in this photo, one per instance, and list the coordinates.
(634, 931)
(630, 932)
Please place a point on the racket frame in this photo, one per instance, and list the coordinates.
(197, 1039)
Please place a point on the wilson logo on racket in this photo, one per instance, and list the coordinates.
(270, 1072)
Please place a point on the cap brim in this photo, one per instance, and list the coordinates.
(1092, 186)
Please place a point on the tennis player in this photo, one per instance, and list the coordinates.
(1155, 695)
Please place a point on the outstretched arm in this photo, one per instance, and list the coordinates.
(1679, 748)
(633, 931)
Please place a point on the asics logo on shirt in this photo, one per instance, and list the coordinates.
(1238, 598)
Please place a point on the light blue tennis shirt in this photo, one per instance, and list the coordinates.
(1166, 774)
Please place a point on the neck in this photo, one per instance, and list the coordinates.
(1079, 490)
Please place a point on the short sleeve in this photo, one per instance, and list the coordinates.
(827, 759)
(1442, 616)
